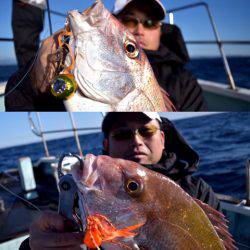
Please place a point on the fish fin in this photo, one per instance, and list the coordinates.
(169, 105)
(219, 222)
(130, 228)
(126, 232)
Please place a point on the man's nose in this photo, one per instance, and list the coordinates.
(139, 30)
(137, 139)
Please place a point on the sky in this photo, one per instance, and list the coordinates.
(15, 129)
(231, 17)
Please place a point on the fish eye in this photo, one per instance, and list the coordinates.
(133, 187)
(131, 49)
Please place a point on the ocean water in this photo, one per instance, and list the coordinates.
(204, 68)
(213, 69)
(221, 140)
(6, 71)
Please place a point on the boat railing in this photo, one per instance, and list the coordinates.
(217, 40)
(40, 132)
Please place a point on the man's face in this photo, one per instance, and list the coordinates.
(138, 148)
(148, 38)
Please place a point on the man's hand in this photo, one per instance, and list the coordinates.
(51, 231)
(44, 69)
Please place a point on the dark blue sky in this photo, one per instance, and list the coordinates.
(231, 16)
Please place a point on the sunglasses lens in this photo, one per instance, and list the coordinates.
(150, 24)
(147, 131)
(122, 134)
(130, 22)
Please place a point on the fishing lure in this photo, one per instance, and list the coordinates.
(64, 86)
(100, 229)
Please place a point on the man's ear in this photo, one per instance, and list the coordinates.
(105, 145)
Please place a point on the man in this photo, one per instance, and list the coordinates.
(141, 137)
(154, 142)
(165, 49)
(163, 45)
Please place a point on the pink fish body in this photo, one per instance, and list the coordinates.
(128, 194)
(111, 70)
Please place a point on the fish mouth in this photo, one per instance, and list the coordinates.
(86, 175)
(94, 13)
(88, 19)
(89, 9)
(90, 174)
(91, 178)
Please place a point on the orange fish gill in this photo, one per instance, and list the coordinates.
(100, 230)
(122, 196)
(111, 70)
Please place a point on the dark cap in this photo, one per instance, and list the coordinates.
(160, 11)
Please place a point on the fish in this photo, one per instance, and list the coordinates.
(150, 209)
(111, 70)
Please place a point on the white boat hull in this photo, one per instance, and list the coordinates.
(221, 98)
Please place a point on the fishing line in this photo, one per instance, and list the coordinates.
(6, 94)
(21, 198)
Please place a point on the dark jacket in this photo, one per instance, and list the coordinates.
(179, 162)
(20, 95)
(168, 64)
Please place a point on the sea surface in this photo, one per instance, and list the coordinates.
(213, 69)
(222, 141)
(204, 68)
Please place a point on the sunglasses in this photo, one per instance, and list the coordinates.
(125, 133)
(133, 22)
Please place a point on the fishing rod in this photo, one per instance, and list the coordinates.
(49, 16)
